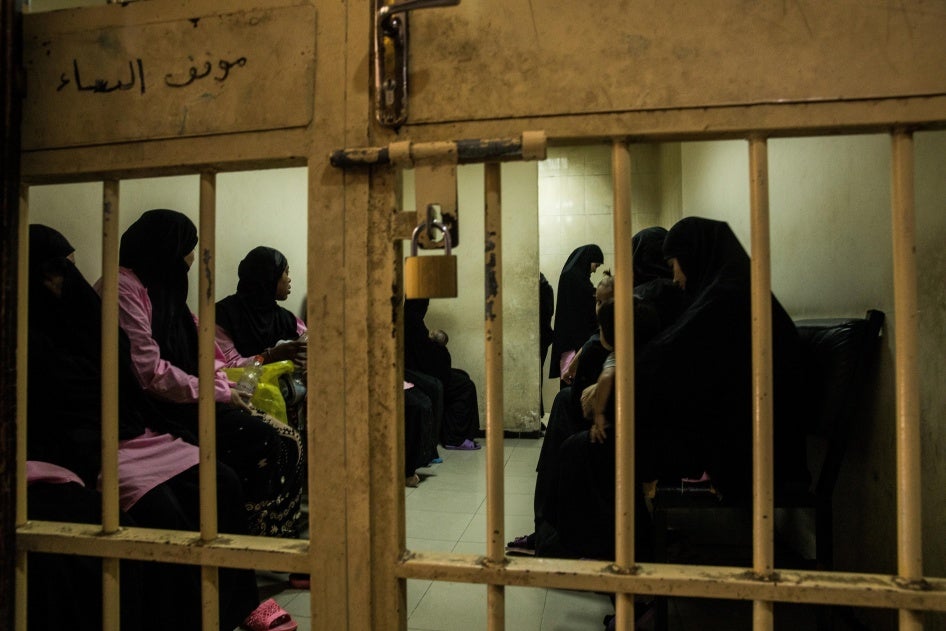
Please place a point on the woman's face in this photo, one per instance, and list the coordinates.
(54, 281)
(679, 278)
(594, 266)
(189, 258)
(603, 293)
(283, 285)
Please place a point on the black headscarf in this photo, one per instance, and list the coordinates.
(251, 316)
(154, 248)
(575, 318)
(648, 257)
(694, 378)
(65, 373)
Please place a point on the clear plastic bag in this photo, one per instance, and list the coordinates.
(268, 397)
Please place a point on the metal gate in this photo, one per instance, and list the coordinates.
(684, 90)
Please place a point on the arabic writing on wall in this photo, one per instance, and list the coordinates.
(136, 77)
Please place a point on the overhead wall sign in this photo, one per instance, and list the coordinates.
(244, 71)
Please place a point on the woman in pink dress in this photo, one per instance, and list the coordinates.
(158, 473)
(155, 254)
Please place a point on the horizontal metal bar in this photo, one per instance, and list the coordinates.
(698, 581)
(170, 546)
(528, 146)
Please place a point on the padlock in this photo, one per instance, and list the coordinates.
(430, 276)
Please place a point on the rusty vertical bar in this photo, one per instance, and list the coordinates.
(110, 510)
(495, 552)
(625, 490)
(22, 344)
(906, 373)
(761, 285)
(206, 334)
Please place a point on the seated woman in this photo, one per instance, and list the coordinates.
(157, 458)
(657, 303)
(155, 254)
(574, 307)
(251, 322)
(426, 353)
(693, 395)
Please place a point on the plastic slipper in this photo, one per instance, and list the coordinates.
(522, 546)
(269, 616)
(466, 445)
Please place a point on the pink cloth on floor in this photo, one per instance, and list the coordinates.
(39, 471)
(148, 460)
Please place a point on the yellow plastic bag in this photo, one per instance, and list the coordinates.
(268, 398)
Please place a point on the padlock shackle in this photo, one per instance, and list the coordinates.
(436, 224)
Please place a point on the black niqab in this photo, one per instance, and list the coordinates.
(251, 316)
(154, 248)
(648, 257)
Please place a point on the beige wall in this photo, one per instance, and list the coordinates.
(253, 208)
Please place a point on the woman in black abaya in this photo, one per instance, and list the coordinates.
(574, 307)
(693, 394)
(251, 320)
(422, 354)
(155, 254)
(157, 457)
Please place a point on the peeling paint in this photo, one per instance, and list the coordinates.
(206, 258)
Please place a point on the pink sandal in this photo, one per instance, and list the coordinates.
(269, 616)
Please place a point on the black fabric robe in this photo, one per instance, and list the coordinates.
(461, 416)
(575, 318)
(693, 397)
(266, 454)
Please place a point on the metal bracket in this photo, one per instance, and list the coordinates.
(390, 58)
(435, 194)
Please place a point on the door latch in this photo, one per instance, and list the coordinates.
(390, 58)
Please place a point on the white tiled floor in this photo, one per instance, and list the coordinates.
(447, 513)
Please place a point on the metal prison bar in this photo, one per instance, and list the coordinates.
(762, 585)
(909, 592)
(207, 427)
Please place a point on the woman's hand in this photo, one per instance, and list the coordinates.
(237, 401)
(292, 351)
(597, 432)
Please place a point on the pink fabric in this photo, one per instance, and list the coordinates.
(38, 471)
(565, 360)
(148, 460)
(156, 375)
(231, 356)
